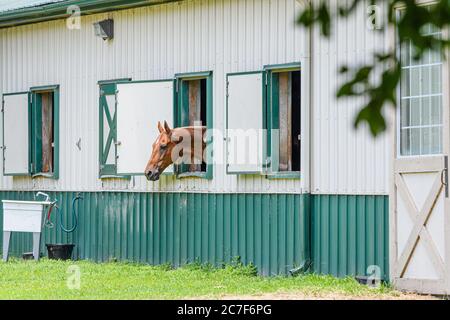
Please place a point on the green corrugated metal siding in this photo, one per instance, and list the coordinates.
(272, 231)
(350, 233)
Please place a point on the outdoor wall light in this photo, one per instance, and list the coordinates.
(104, 29)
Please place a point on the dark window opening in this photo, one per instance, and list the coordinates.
(289, 121)
(44, 132)
(197, 99)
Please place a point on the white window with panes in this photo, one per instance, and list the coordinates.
(420, 112)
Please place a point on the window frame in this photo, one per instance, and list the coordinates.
(180, 109)
(33, 152)
(270, 70)
(398, 53)
(28, 173)
(130, 81)
(106, 171)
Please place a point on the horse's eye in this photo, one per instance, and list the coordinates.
(163, 146)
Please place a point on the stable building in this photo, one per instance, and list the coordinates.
(84, 83)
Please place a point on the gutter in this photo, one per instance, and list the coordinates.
(58, 10)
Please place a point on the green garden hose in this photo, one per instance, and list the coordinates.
(74, 216)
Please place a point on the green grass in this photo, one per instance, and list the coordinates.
(47, 279)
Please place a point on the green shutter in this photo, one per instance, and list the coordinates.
(37, 133)
(108, 132)
(273, 121)
(36, 130)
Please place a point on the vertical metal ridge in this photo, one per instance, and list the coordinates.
(350, 233)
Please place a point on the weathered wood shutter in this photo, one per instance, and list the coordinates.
(16, 134)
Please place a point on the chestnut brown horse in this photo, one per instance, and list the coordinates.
(178, 145)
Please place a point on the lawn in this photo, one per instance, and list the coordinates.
(49, 279)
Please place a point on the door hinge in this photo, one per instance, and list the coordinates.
(444, 176)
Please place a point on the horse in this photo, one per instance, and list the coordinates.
(177, 145)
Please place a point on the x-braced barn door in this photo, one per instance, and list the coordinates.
(420, 211)
(419, 220)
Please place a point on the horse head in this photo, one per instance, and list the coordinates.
(161, 154)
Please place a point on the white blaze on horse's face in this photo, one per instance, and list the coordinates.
(161, 153)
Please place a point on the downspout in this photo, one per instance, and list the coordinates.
(307, 264)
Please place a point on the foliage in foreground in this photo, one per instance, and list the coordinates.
(379, 88)
(47, 279)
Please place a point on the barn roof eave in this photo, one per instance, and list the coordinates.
(58, 10)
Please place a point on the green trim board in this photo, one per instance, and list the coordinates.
(58, 10)
(29, 134)
(281, 67)
(182, 116)
(120, 80)
(45, 88)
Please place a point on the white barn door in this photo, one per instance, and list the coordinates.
(419, 199)
(140, 105)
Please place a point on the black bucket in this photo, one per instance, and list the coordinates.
(60, 251)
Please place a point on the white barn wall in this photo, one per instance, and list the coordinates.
(345, 161)
(198, 35)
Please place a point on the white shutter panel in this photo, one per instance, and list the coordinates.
(16, 134)
(140, 105)
(245, 123)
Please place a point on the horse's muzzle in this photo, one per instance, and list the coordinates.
(152, 175)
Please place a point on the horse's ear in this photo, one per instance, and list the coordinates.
(166, 127)
(160, 127)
